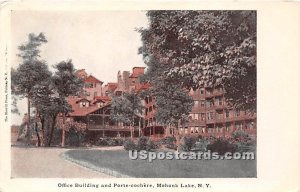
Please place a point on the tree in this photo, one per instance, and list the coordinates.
(48, 106)
(30, 72)
(173, 103)
(206, 49)
(66, 83)
(125, 108)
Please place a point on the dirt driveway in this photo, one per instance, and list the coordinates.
(47, 163)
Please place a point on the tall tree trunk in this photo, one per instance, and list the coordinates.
(43, 131)
(131, 135)
(52, 130)
(37, 134)
(177, 139)
(139, 126)
(36, 129)
(63, 135)
(28, 116)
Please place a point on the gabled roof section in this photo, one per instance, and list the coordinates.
(143, 86)
(92, 79)
(102, 98)
(112, 86)
(83, 111)
(82, 99)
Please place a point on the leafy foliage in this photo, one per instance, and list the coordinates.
(205, 49)
(29, 73)
(173, 104)
(221, 146)
(124, 108)
(129, 145)
(65, 81)
(188, 143)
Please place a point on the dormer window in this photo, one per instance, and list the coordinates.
(84, 104)
(100, 104)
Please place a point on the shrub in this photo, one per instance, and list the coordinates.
(151, 145)
(200, 145)
(107, 141)
(169, 142)
(239, 134)
(248, 145)
(129, 145)
(142, 143)
(187, 143)
(222, 146)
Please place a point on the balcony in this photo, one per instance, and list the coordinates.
(111, 127)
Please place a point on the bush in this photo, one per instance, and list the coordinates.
(200, 145)
(107, 141)
(169, 142)
(151, 145)
(129, 145)
(187, 143)
(239, 134)
(248, 145)
(222, 146)
(142, 143)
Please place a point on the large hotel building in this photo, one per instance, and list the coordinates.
(210, 115)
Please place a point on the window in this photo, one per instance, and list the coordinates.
(150, 99)
(201, 91)
(237, 112)
(227, 127)
(192, 129)
(250, 125)
(219, 115)
(202, 116)
(84, 104)
(210, 115)
(89, 85)
(195, 103)
(185, 130)
(227, 113)
(239, 126)
(207, 103)
(208, 92)
(220, 101)
(202, 103)
(196, 116)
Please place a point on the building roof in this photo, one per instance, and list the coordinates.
(82, 111)
(111, 86)
(142, 86)
(82, 99)
(81, 73)
(102, 98)
(92, 79)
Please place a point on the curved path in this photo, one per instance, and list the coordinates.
(47, 163)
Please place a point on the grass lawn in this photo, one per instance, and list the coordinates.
(119, 161)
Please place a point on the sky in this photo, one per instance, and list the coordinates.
(102, 42)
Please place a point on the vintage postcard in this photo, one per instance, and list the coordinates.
(105, 96)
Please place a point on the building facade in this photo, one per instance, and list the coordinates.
(210, 114)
